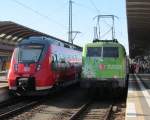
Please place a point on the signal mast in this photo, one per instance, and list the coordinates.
(70, 32)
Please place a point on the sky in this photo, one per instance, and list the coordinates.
(51, 17)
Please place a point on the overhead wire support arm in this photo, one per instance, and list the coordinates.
(76, 32)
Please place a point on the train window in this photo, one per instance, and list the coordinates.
(54, 58)
(30, 53)
(62, 44)
(54, 62)
(110, 52)
(16, 51)
(67, 46)
(35, 38)
(94, 51)
(58, 43)
(62, 60)
(51, 40)
(58, 57)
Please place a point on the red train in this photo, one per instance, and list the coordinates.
(39, 64)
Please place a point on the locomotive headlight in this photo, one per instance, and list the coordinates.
(38, 67)
(16, 67)
(115, 76)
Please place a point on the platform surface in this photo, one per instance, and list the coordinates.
(138, 99)
(3, 81)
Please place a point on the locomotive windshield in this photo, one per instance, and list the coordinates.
(94, 51)
(110, 52)
(30, 53)
(102, 52)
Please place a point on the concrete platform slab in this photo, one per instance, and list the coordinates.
(138, 99)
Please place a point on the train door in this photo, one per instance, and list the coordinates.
(54, 62)
(54, 66)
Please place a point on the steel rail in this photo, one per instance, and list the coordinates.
(7, 112)
(85, 107)
(108, 113)
(76, 114)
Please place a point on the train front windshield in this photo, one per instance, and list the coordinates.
(94, 51)
(30, 53)
(111, 52)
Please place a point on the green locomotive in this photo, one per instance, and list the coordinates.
(104, 65)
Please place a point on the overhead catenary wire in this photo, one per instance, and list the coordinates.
(84, 6)
(92, 10)
(98, 24)
(38, 13)
(93, 4)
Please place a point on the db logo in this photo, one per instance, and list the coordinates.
(101, 66)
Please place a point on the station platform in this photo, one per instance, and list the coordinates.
(3, 84)
(138, 99)
(3, 79)
(4, 92)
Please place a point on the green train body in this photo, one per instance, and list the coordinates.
(104, 65)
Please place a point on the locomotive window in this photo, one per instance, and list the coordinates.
(110, 52)
(94, 51)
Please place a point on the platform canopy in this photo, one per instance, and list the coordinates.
(11, 33)
(138, 16)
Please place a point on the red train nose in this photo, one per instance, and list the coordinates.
(26, 68)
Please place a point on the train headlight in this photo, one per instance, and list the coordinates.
(115, 77)
(16, 67)
(38, 67)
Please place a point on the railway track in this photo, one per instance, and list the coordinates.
(54, 109)
(13, 109)
(16, 107)
(93, 111)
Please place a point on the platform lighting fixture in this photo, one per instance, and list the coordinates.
(14, 38)
(2, 35)
(19, 39)
(9, 36)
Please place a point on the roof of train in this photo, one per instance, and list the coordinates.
(47, 40)
(104, 42)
